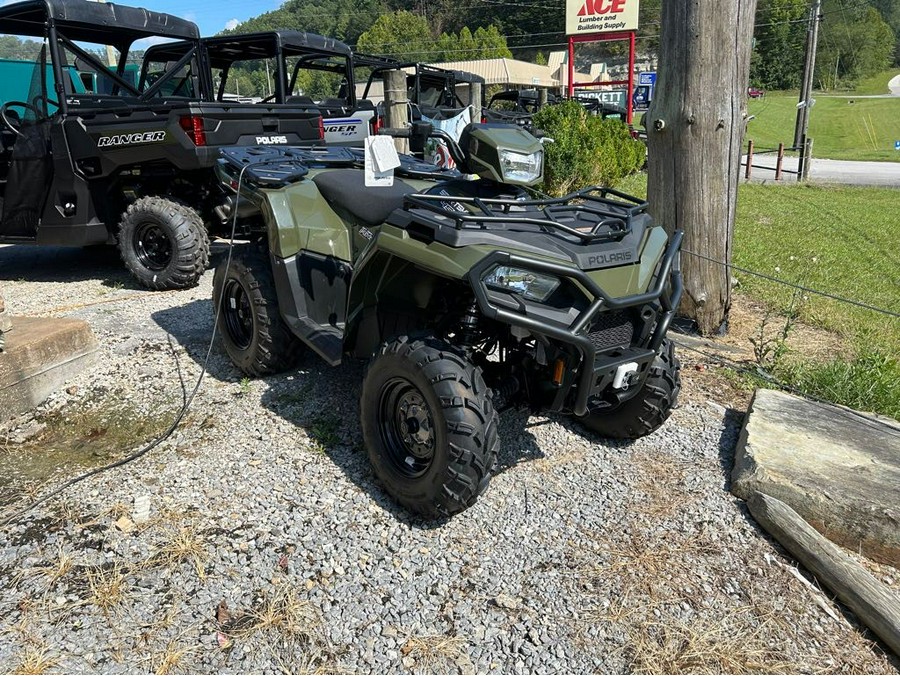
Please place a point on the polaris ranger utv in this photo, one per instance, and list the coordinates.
(304, 66)
(89, 156)
(467, 296)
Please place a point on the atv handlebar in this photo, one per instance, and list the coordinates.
(425, 130)
(396, 132)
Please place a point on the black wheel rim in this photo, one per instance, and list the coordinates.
(152, 246)
(238, 314)
(406, 426)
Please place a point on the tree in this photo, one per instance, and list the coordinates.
(780, 36)
(401, 34)
(408, 37)
(695, 129)
(855, 43)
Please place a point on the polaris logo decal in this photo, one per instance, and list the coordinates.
(131, 139)
(606, 259)
(270, 140)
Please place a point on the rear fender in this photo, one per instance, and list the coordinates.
(299, 219)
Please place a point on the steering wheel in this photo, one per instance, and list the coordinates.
(4, 109)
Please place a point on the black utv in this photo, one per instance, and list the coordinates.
(301, 69)
(94, 150)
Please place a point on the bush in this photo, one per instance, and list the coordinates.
(587, 150)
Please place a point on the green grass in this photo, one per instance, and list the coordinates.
(877, 84)
(842, 240)
(862, 130)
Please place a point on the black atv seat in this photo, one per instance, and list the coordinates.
(347, 189)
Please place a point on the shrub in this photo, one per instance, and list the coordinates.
(587, 150)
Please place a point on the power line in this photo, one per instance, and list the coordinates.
(799, 287)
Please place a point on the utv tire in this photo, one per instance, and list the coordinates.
(163, 243)
(429, 426)
(256, 338)
(646, 411)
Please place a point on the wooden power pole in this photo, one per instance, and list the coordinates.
(695, 131)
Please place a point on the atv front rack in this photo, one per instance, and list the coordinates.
(589, 215)
(667, 289)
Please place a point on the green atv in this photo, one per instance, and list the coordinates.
(468, 296)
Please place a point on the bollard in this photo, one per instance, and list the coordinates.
(749, 159)
(476, 100)
(807, 157)
(779, 162)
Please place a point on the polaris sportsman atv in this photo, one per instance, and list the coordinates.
(467, 296)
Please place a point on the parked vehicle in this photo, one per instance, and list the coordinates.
(435, 93)
(467, 296)
(755, 93)
(301, 69)
(119, 163)
(515, 107)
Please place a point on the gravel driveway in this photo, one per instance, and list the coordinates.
(254, 539)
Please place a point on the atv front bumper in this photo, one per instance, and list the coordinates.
(597, 369)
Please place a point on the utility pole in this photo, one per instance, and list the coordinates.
(695, 130)
(809, 68)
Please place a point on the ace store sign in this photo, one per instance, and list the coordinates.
(601, 16)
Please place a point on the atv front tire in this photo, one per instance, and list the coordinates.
(163, 243)
(429, 426)
(647, 410)
(256, 338)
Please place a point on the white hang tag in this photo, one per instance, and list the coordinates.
(385, 152)
(374, 177)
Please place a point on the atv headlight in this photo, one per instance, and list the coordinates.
(521, 167)
(531, 285)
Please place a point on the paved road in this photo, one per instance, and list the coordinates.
(831, 171)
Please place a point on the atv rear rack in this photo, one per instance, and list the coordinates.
(603, 218)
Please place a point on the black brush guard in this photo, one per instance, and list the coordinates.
(574, 334)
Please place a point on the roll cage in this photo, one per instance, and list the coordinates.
(419, 77)
(311, 51)
(65, 23)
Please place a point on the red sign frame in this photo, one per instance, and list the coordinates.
(605, 37)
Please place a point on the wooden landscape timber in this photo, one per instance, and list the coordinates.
(869, 599)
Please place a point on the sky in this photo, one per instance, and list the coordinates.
(211, 15)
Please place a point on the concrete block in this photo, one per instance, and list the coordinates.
(837, 468)
(40, 354)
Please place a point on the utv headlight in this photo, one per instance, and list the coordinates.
(531, 285)
(521, 167)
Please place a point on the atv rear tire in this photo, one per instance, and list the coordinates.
(647, 410)
(163, 243)
(256, 338)
(429, 426)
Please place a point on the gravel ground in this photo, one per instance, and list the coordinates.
(255, 539)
